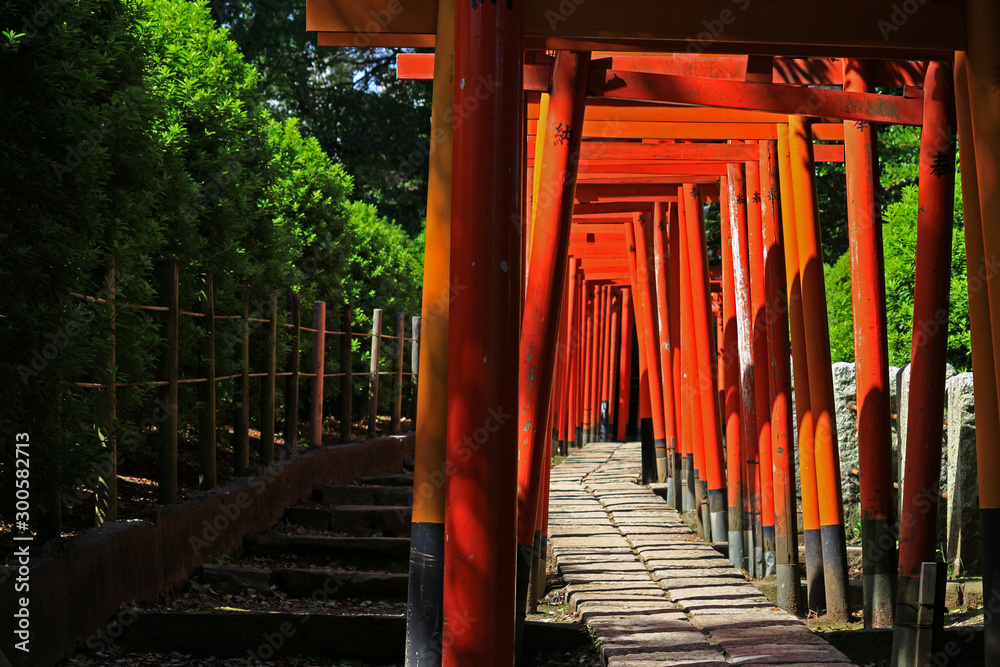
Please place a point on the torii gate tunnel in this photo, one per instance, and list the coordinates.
(574, 145)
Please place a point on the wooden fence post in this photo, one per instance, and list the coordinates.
(318, 366)
(346, 379)
(167, 435)
(241, 431)
(206, 422)
(106, 505)
(397, 406)
(266, 447)
(414, 368)
(373, 372)
(292, 381)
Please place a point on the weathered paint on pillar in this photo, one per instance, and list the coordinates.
(645, 404)
(674, 290)
(686, 405)
(625, 366)
(481, 495)
(553, 206)
(643, 228)
(815, 587)
(758, 298)
(744, 327)
(731, 374)
(814, 318)
(692, 386)
(922, 480)
(786, 543)
(697, 255)
(871, 361)
(982, 21)
(661, 265)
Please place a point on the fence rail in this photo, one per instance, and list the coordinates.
(167, 432)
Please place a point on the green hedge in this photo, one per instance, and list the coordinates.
(133, 133)
(899, 245)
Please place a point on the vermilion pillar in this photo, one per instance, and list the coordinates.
(758, 298)
(871, 361)
(571, 351)
(687, 406)
(645, 409)
(611, 359)
(481, 495)
(581, 339)
(674, 290)
(731, 374)
(786, 543)
(426, 569)
(661, 263)
(600, 311)
(921, 484)
(543, 300)
(982, 19)
(602, 398)
(815, 587)
(586, 363)
(691, 376)
(595, 361)
(817, 330)
(625, 366)
(697, 254)
(643, 228)
(744, 327)
(566, 350)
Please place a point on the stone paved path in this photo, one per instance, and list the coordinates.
(652, 592)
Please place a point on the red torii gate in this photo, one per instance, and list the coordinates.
(489, 44)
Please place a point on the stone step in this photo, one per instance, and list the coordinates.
(340, 584)
(372, 520)
(230, 579)
(355, 520)
(363, 495)
(378, 552)
(335, 583)
(275, 635)
(386, 480)
(314, 518)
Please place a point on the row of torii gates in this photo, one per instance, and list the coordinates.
(573, 147)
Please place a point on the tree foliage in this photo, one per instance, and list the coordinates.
(349, 99)
(899, 247)
(133, 132)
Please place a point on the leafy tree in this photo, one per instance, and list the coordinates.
(349, 99)
(78, 185)
(132, 133)
(307, 197)
(899, 246)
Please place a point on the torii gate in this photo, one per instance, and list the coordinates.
(481, 201)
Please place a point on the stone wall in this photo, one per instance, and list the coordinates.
(959, 515)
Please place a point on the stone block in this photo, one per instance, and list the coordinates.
(962, 477)
(844, 394)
